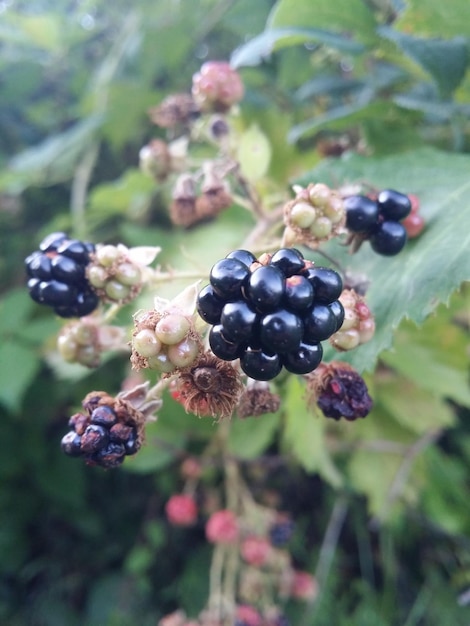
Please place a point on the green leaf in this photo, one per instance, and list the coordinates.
(446, 61)
(350, 16)
(18, 366)
(250, 437)
(254, 153)
(430, 268)
(261, 47)
(434, 17)
(304, 435)
(15, 308)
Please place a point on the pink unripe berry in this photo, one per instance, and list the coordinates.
(217, 86)
(191, 468)
(414, 225)
(248, 615)
(256, 550)
(304, 586)
(222, 527)
(181, 510)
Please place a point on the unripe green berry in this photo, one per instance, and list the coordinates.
(350, 319)
(172, 328)
(83, 334)
(116, 290)
(146, 343)
(86, 355)
(366, 330)
(162, 363)
(107, 255)
(128, 274)
(334, 210)
(183, 353)
(346, 340)
(320, 195)
(321, 228)
(302, 215)
(97, 276)
(67, 348)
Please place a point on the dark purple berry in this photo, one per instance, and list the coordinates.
(338, 311)
(265, 288)
(259, 365)
(389, 238)
(281, 532)
(132, 445)
(319, 323)
(67, 270)
(120, 432)
(393, 205)
(244, 256)
(281, 331)
(362, 214)
(86, 302)
(52, 242)
(299, 293)
(227, 277)
(70, 444)
(38, 265)
(303, 360)
(238, 320)
(112, 455)
(345, 395)
(327, 283)
(209, 305)
(33, 289)
(76, 250)
(289, 260)
(221, 347)
(56, 293)
(104, 416)
(94, 438)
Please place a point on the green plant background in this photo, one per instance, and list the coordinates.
(83, 546)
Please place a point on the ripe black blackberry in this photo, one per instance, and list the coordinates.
(378, 221)
(56, 275)
(271, 312)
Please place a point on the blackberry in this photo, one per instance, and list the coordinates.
(70, 444)
(389, 238)
(362, 214)
(57, 276)
(393, 205)
(112, 455)
(271, 312)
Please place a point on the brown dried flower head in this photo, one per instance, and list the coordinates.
(339, 391)
(178, 109)
(183, 207)
(211, 387)
(257, 399)
(155, 159)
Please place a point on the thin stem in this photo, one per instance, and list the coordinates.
(80, 183)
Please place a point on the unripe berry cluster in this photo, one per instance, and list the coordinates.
(164, 342)
(217, 86)
(316, 214)
(78, 343)
(105, 433)
(114, 275)
(271, 312)
(57, 277)
(358, 324)
(378, 220)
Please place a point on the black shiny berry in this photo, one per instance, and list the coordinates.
(52, 242)
(327, 283)
(111, 455)
(289, 260)
(221, 347)
(265, 288)
(70, 444)
(244, 256)
(132, 445)
(362, 214)
(338, 311)
(227, 277)
(94, 438)
(299, 293)
(393, 205)
(86, 302)
(303, 360)
(389, 238)
(67, 270)
(33, 289)
(55, 293)
(104, 416)
(38, 265)
(238, 321)
(260, 365)
(281, 331)
(319, 323)
(209, 305)
(74, 249)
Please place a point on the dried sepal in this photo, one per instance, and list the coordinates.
(257, 399)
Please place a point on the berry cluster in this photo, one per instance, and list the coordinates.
(57, 277)
(271, 312)
(114, 275)
(217, 86)
(164, 342)
(104, 434)
(378, 220)
(358, 324)
(316, 214)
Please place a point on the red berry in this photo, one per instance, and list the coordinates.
(256, 550)
(414, 202)
(222, 527)
(181, 510)
(414, 225)
(248, 616)
(304, 586)
(217, 86)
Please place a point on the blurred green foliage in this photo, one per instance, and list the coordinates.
(387, 78)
